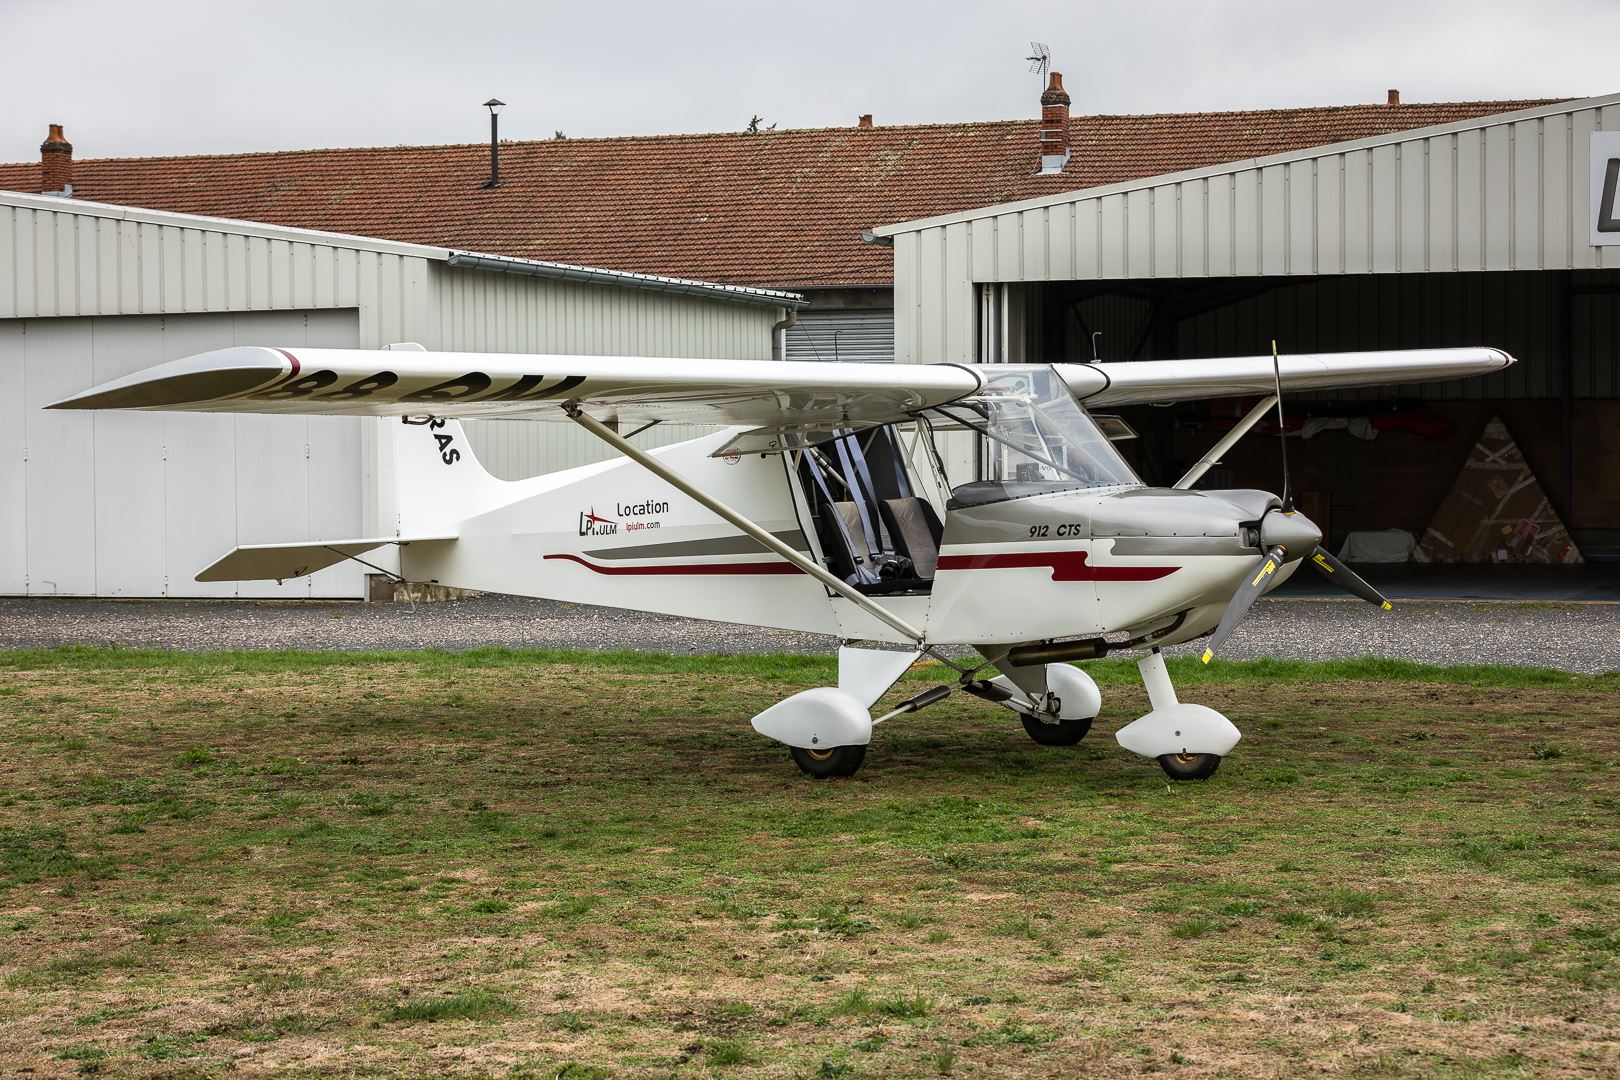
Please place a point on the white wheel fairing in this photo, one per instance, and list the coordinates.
(1077, 693)
(1179, 729)
(817, 720)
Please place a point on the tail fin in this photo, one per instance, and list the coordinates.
(429, 468)
(428, 479)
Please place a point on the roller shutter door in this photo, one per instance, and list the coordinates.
(842, 335)
(134, 504)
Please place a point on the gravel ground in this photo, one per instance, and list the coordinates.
(1576, 636)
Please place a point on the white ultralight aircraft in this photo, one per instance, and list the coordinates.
(824, 506)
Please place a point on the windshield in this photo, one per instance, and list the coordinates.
(1035, 433)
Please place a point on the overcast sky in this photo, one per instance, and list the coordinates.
(143, 77)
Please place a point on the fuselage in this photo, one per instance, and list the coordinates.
(1015, 563)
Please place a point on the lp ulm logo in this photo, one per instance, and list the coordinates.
(591, 525)
(1606, 187)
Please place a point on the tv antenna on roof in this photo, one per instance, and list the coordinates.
(1040, 58)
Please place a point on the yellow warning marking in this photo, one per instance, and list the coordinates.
(1387, 607)
(1207, 654)
(1320, 561)
(1269, 568)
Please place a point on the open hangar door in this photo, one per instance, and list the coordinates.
(134, 504)
(1561, 402)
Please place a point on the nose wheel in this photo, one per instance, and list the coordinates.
(1189, 766)
(834, 761)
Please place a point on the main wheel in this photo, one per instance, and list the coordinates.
(1056, 732)
(1189, 766)
(828, 763)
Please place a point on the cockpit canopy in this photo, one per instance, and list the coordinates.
(1037, 439)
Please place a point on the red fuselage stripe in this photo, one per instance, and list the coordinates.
(709, 569)
(1065, 566)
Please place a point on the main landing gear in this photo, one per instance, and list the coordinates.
(1056, 732)
(827, 729)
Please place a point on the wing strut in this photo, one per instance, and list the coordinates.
(1227, 441)
(809, 566)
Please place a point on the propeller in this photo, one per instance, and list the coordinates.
(1283, 530)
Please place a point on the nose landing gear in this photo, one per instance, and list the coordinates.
(1188, 741)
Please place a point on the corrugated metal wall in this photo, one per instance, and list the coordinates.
(1482, 195)
(62, 259)
(83, 260)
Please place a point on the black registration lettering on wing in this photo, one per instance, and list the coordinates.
(473, 386)
(466, 386)
(529, 388)
(363, 387)
(303, 386)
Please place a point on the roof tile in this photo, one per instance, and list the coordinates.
(779, 208)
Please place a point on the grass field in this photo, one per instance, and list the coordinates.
(542, 865)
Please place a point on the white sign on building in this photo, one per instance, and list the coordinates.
(1605, 217)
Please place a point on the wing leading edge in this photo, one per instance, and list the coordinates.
(1148, 381)
(632, 390)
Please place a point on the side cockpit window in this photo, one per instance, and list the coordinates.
(877, 533)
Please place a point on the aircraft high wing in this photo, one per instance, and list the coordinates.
(758, 394)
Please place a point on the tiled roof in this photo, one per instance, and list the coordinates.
(780, 208)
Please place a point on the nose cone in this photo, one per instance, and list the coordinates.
(1295, 533)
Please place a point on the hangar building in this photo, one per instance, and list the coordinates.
(132, 504)
(1493, 230)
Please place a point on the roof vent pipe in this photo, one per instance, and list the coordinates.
(1054, 126)
(56, 163)
(494, 107)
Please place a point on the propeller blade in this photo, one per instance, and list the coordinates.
(1346, 578)
(1244, 599)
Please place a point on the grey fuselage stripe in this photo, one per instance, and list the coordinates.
(724, 545)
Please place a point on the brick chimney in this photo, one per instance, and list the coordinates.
(1394, 98)
(865, 120)
(56, 163)
(1054, 126)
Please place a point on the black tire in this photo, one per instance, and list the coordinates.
(1056, 732)
(832, 762)
(1189, 766)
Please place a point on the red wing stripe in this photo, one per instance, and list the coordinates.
(1065, 566)
(686, 569)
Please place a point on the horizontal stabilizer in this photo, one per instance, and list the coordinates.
(280, 562)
